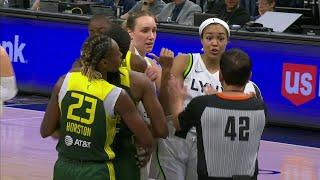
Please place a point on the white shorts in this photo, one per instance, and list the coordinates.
(175, 158)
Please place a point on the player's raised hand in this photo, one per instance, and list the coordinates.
(166, 58)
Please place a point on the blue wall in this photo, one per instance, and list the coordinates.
(287, 74)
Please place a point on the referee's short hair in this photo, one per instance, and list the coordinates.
(235, 67)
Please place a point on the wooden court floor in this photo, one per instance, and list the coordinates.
(24, 155)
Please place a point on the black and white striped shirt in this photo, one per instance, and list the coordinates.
(229, 129)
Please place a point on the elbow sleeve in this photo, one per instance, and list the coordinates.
(8, 88)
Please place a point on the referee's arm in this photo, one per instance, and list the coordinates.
(188, 118)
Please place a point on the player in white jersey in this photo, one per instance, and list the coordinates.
(8, 85)
(176, 158)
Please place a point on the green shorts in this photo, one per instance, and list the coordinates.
(125, 163)
(79, 170)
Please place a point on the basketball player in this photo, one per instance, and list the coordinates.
(85, 108)
(140, 89)
(229, 124)
(142, 29)
(100, 24)
(8, 85)
(176, 158)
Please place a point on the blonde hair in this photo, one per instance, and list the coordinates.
(94, 50)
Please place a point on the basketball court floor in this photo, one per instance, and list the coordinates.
(24, 155)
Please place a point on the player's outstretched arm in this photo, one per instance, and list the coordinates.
(130, 116)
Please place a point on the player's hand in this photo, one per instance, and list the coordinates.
(143, 156)
(152, 72)
(209, 90)
(166, 58)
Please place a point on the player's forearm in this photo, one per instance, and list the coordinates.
(164, 96)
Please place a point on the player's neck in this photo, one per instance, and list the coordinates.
(136, 51)
(212, 65)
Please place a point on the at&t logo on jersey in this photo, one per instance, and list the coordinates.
(299, 82)
(15, 50)
(68, 140)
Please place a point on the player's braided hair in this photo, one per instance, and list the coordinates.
(94, 49)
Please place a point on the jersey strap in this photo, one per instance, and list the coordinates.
(188, 69)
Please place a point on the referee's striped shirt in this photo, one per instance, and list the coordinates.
(229, 129)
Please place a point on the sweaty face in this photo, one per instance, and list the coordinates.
(214, 41)
(264, 6)
(144, 34)
(98, 27)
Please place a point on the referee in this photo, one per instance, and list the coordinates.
(229, 124)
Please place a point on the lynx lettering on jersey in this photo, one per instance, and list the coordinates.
(299, 82)
(15, 50)
(198, 85)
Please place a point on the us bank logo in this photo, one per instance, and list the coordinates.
(299, 83)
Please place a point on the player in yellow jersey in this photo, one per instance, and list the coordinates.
(142, 28)
(100, 24)
(141, 89)
(84, 108)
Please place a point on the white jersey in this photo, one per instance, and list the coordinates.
(8, 89)
(144, 171)
(199, 76)
(140, 107)
(177, 157)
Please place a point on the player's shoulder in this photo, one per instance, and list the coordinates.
(252, 87)
(182, 58)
